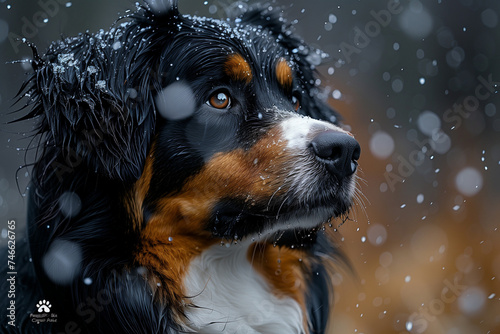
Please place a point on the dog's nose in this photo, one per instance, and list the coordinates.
(338, 151)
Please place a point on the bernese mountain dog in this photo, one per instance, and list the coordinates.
(187, 176)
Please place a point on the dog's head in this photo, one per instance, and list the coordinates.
(216, 123)
(232, 140)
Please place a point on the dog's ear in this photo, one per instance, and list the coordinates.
(94, 96)
(304, 57)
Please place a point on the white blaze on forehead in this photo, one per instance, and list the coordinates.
(299, 130)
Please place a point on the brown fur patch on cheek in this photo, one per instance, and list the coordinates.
(284, 73)
(176, 232)
(255, 175)
(237, 68)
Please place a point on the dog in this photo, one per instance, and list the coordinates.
(187, 175)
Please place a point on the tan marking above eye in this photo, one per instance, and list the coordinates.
(284, 73)
(237, 68)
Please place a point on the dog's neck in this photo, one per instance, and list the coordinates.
(245, 287)
(204, 279)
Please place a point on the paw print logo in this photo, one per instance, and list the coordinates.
(43, 306)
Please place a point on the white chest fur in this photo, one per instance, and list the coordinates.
(229, 296)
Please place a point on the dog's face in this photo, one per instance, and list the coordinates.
(233, 150)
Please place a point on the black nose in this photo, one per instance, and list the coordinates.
(338, 151)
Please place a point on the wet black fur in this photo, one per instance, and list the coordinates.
(95, 139)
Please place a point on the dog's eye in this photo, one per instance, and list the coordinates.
(295, 102)
(220, 100)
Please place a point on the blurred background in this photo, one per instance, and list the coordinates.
(416, 84)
